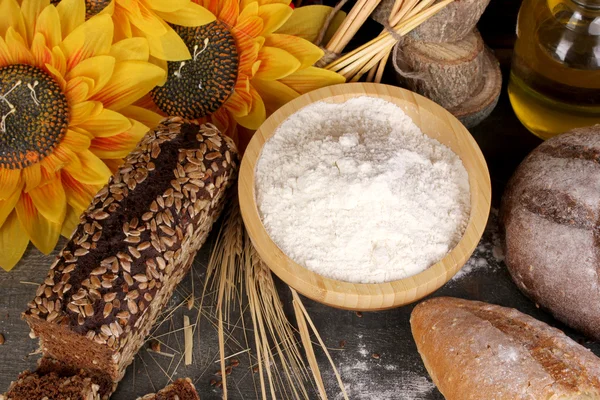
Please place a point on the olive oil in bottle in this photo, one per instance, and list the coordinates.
(555, 77)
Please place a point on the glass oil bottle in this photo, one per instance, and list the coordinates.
(555, 77)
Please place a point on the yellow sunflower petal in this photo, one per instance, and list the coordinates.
(17, 47)
(131, 49)
(72, 15)
(109, 9)
(275, 63)
(257, 114)
(41, 53)
(306, 22)
(168, 47)
(246, 32)
(78, 89)
(147, 117)
(59, 63)
(80, 112)
(70, 223)
(11, 17)
(48, 24)
(42, 233)
(7, 205)
(248, 57)
(144, 19)
(107, 123)
(78, 194)
(89, 169)
(122, 24)
(76, 141)
(9, 182)
(147, 103)
(99, 69)
(13, 242)
(191, 15)
(244, 4)
(31, 10)
(165, 5)
(57, 76)
(5, 56)
(52, 163)
(92, 38)
(120, 145)
(306, 52)
(32, 176)
(50, 199)
(273, 16)
(129, 82)
(274, 93)
(240, 101)
(228, 12)
(312, 78)
(64, 156)
(113, 164)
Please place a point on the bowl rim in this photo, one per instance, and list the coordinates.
(366, 296)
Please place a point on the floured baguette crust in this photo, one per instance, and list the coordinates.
(475, 350)
(133, 245)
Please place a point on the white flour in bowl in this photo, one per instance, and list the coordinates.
(356, 192)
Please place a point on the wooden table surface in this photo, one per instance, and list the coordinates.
(395, 372)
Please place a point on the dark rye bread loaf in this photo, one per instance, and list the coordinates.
(181, 389)
(475, 350)
(133, 245)
(34, 386)
(550, 216)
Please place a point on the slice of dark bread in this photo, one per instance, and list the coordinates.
(52, 386)
(181, 389)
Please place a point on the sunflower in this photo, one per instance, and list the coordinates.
(66, 118)
(241, 69)
(151, 19)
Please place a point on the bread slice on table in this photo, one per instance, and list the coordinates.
(133, 245)
(475, 350)
(52, 386)
(181, 389)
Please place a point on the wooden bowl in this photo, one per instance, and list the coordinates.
(435, 122)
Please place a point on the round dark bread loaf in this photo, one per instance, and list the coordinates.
(550, 215)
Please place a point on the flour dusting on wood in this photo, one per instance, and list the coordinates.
(488, 255)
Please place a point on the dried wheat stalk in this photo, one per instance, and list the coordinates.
(371, 57)
(236, 270)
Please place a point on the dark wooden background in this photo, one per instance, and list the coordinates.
(395, 373)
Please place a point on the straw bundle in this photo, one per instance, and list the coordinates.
(371, 57)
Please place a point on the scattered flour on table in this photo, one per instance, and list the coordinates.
(404, 385)
(356, 192)
(488, 254)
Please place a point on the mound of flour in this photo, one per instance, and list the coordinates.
(356, 192)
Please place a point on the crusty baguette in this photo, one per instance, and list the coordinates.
(134, 244)
(475, 350)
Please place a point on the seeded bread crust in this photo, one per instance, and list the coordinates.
(32, 386)
(133, 245)
(550, 216)
(475, 350)
(181, 389)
